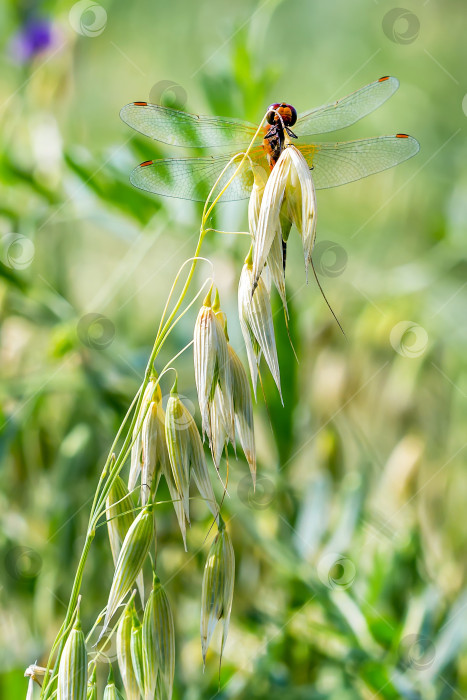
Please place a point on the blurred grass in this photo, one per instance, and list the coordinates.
(351, 555)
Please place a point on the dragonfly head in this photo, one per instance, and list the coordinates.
(286, 111)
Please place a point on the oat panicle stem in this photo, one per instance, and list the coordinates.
(115, 462)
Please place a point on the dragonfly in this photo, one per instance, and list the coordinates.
(333, 164)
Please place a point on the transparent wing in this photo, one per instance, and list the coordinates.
(182, 129)
(193, 178)
(347, 110)
(333, 164)
(338, 163)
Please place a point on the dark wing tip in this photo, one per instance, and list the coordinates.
(146, 162)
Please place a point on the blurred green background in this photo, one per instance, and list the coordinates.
(351, 556)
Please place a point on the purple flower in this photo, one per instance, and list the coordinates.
(35, 36)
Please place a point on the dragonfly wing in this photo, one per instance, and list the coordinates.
(193, 178)
(338, 163)
(182, 129)
(347, 110)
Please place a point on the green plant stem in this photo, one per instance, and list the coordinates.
(47, 688)
(100, 499)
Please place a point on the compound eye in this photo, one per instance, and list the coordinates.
(271, 115)
(293, 115)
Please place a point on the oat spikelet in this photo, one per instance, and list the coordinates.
(152, 392)
(30, 691)
(92, 685)
(288, 197)
(120, 517)
(217, 588)
(110, 690)
(154, 450)
(269, 228)
(178, 446)
(130, 561)
(212, 368)
(243, 409)
(176, 500)
(220, 434)
(274, 258)
(158, 644)
(256, 323)
(300, 198)
(186, 454)
(136, 650)
(73, 667)
(36, 674)
(125, 664)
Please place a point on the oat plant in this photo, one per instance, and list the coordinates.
(154, 442)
